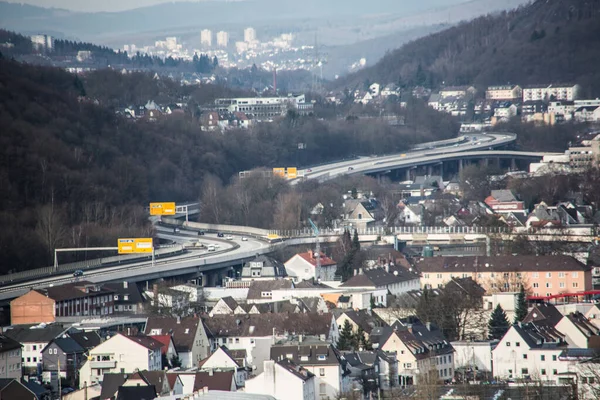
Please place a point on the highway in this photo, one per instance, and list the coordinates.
(423, 153)
(229, 251)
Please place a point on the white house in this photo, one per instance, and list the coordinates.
(505, 111)
(578, 330)
(283, 380)
(530, 351)
(225, 360)
(303, 266)
(394, 279)
(120, 353)
(33, 340)
(374, 89)
(321, 359)
(227, 306)
(476, 355)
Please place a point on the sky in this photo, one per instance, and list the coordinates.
(94, 5)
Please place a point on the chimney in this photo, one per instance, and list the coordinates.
(205, 389)
(360, 271)
(355, 272)
(210, 372)
(128, 331)
(299, 338)
(428, 324)
(387, 266)
(178, 320)
(124, 284)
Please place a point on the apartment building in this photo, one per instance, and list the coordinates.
(263, 107)
(551, 92)
(544, 275)
(10, 358)
(504, 92)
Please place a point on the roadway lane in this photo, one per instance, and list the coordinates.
(480, 142)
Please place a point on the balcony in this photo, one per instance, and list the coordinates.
(103, 364)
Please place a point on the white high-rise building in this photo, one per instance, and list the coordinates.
(206, 37)
(171, 43)
(249, 35)
(222, 39)
(42, 42)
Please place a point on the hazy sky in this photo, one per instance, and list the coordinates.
(94, 5)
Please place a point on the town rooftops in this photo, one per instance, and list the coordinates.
(182, 330)
(75, 290)
(213, 380)
(230, 301)
(34, 334)
(165, 340)
(500, 264)
(66, 344)
(87, 340)
(544, 312)
(260, 325)
(540, 335)
(363, 319)
(307, 354)
(503, 196)
(269, 268)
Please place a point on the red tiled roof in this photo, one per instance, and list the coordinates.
(309, 256)
(165, 340)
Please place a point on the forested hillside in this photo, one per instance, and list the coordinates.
(546, 41)
(74, 174)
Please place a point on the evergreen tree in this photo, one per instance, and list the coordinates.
(355, 242)
(498, 324)
(361, 341)
(346, 340)
(521, 309)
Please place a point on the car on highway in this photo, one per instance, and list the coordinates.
(78, 273)
(219, 234)
(176, 230)
(350, 168)
(211, 247)
(200, 233)
(244, 239)
(229, 237)
(309, 170)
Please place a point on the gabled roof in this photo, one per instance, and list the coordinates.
(230, 301)
(165, 340)
(503, 195)
(363, 319)
(146, 341)
(378, 277)
(183, 330)
(544, 312)
(260, 325)
(132, 290)
(258, 287)
(136, 393)
(295, 369)
(500, 264)
(87, 340)
(311, 258)
(215, 380)
(270, 267)
(34, 334)
(111, 383)
(155, 378)
(540, 334)
(307, 354)
(583, 324)
(67, 344)
(75, 290)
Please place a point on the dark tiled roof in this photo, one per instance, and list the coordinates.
(68, 345)
(155, 378)
(544, 312)
(274, 307)
(132, 290)
(87, 340)
(111, 383)
(257, 287)
(365, 320)
(296, 370)
(146, 341)
(583, 324)
(230, 301)
(24, 334)
(74, 291)
(378, 277)
(500, 264)
(183, 341)
(256, 325)
(136, 393)
(216, 380)
(307, 354)
(270, 267)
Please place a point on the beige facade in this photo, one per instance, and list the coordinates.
(32, 308)
(507, 92)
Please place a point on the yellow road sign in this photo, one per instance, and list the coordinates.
(292, 173)
(279, 172)
(162, 208)
(135, 245)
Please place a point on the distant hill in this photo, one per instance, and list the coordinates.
(545, 41)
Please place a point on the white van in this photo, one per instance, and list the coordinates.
(211, 247)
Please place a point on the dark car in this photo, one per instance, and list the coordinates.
(220, 234)
(78, 273)
(200, 233)
(350, 168)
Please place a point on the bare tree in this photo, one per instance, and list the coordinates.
(287, 211)
(51, 227)
(210, 199)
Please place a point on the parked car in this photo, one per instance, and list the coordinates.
(219, 234)
(78, 273)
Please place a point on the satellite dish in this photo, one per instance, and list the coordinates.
(396, 273)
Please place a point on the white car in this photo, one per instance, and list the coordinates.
(244, 239)
(229, 237)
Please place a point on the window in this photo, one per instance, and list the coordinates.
(323, 389)
(536, 285)
(424, 275)
(574, 275)
(439, 276)
(548, 274)
(34, 359)
(321, 357)
(116, 297)
(535, 275)
(34, 347)
(518, 344)
(548, 285)
(543, 371)
(237, 339)
(524, 371)
(575, 284)
(554, 357)
(321, 371)
(543, 357)
(524, 356)
(507, 344)
(126, 297)
(28, 359)
(562, 284)
(554, 372)
(561, 274)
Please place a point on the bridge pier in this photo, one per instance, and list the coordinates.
(460, 165)
(513, 164)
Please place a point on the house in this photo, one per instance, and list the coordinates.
(121, 353)
(136, 392)
(504, 111)
(127, 297)
(168, 351)
(411, 214)
(33, 339)
(227, 306)
(474, 355)
(544, 275)
(223, 359)
(359, 319)
(530, 350)
(423, 186)
(390, 90)
(282, 306)
(169, 301)
(373, 365)
(194, 381)
(33, 307)
(359, 213)
(284, 380)
(303, 266)
(504, 202)
(263, 268)
(10, 358)
(79, 299)
(579, 331)
(189, 336)
(321, 359)
(504, 92)
(391, 278)
(587, 114)
(12, 388)
(551, 92)
(262, 291)
(61, 358)
(420, 349)
(255, 333)
(210, 121)
(434, 101)
(374, 89)
(457, 91)
(112, 382)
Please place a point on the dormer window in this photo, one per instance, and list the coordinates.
(321, 357)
